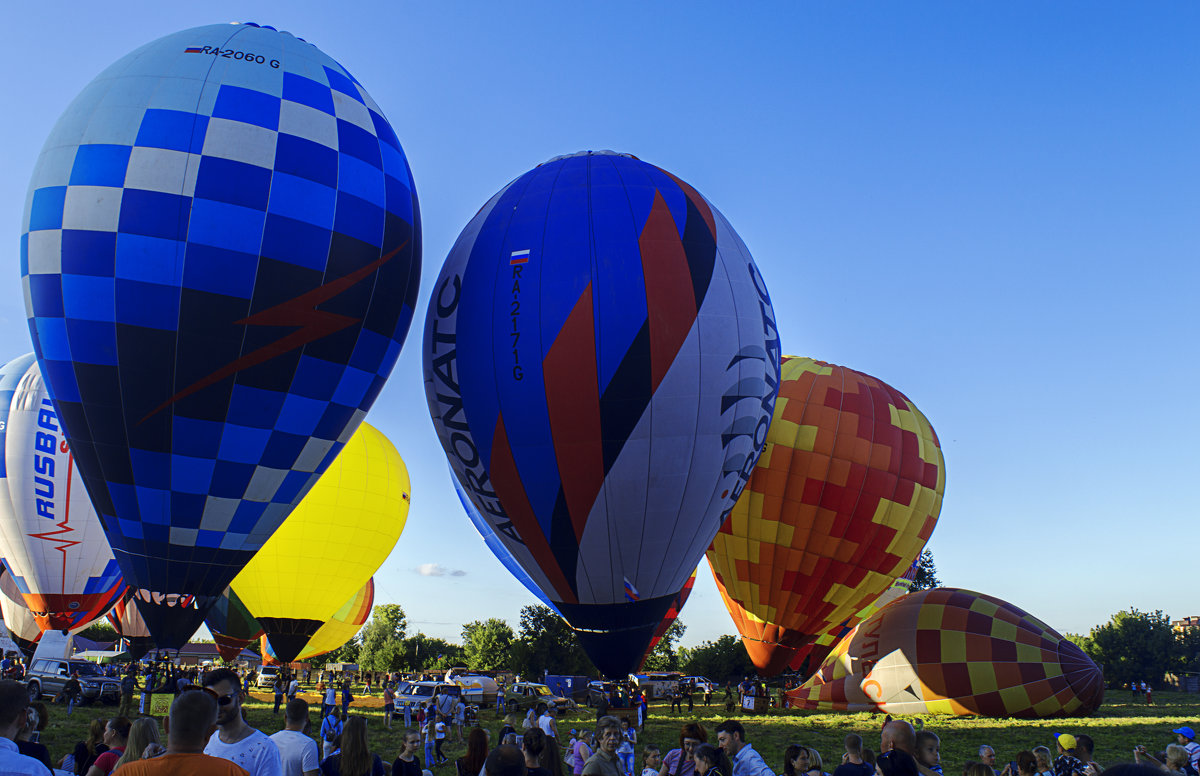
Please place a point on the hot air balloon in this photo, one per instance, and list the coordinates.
(952, 651)
(50, 537)
(841, 502)
(336, 539)
(232, 626)
(819, 648)
(342, 627)
(601, 363)
(126, 619)
(669, 618)
(492, 541)
(17, 617)
(221, 258)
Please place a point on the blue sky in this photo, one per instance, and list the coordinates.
(991, 206)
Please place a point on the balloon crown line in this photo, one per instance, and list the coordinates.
(268, 27)
(605, 152)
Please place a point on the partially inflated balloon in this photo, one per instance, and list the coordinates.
(231, 624)
(345, 622)
(601, 364)
(841, 502)
(50, 537)
(336, 539)
(951, 651)
(221, 259)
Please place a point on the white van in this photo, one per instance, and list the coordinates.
(267, 676)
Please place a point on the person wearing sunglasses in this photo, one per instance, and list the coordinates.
(192, 720)
(235, 740)
(14, 702)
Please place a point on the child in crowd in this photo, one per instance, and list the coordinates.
(651, 761)
(625, 749)
(929, 750)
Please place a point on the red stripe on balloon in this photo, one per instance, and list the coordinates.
(697, 201)
(507, 482)
(573, 406)
(669, 296)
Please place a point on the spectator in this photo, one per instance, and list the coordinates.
(603, 761)
(987, 756)
(297, 751)
(505, 760)
(652, 761)
(746, 762)
(142, 734)
(551, 757)
(192, 720)
(1085, 749)
(460, 719)
(815, 765)
(14, 705)
(347, 698)
(795, 760)
(331, 731)
(581, 752)
(277, 687)
(532, 745)
(407, 763)
(85, 752)
(852, 761)
(978, 768)
(389, 705)
(548, 722)
(1066, 763)
(471, 763)
(129, 687)
(1177, 760)
(329, 701)
(28, 740)
(293, 688)
(1185, 737)
(439, 733)
(679, 762)
(625, 749)
(711, 761)
(929, 751)
(354, 757)
(898, 743)
(116, 736)
(235, 740)
(1045, 764)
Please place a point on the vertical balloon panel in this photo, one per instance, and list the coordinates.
(220, 263)
(601, 364)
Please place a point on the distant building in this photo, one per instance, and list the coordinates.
(1187, 623)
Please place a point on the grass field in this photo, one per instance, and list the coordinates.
(1116, 728)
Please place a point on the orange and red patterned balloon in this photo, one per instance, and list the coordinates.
(841, 502)
(952, 651)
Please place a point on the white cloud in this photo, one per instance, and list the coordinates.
(438, 570)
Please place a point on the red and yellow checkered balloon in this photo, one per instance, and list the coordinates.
(845, 495)
(952, 651)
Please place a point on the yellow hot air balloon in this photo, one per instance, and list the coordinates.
(338, 536)
(343, 625)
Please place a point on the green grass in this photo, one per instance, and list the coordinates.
(1116, 728)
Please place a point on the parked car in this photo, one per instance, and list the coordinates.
(417, 693)
(618, 697)
(522, 695)
(48, 676)
(267, 676)
(699, 683)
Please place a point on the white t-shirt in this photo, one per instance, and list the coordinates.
(297, 751)
(331, 696)
(293, 688)
(440, 728)
(256, 753)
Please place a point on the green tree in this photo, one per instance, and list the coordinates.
(545, 643)
(350, 652)
(1135, 646)
(487, 644)
(664, 657)
(722, 660)
(927, 577)
(423, 652)
(382, 647)
(99, 631)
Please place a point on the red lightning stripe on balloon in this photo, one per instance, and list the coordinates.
(312, 324)
(64, 527)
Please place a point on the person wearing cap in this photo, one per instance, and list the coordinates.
(1186, 738)
(1067, 764)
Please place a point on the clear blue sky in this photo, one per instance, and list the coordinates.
(993, 206)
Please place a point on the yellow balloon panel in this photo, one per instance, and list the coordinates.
(345, 623)
(339, 535)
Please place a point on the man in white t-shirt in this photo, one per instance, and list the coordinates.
(235, 740)
(293, 688)
(547, 722)
(297, 751)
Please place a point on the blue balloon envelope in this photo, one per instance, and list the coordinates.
(601, 366)
(221, 258)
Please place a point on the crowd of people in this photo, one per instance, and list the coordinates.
(207, 733)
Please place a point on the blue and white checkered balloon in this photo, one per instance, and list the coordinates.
(220, 261)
